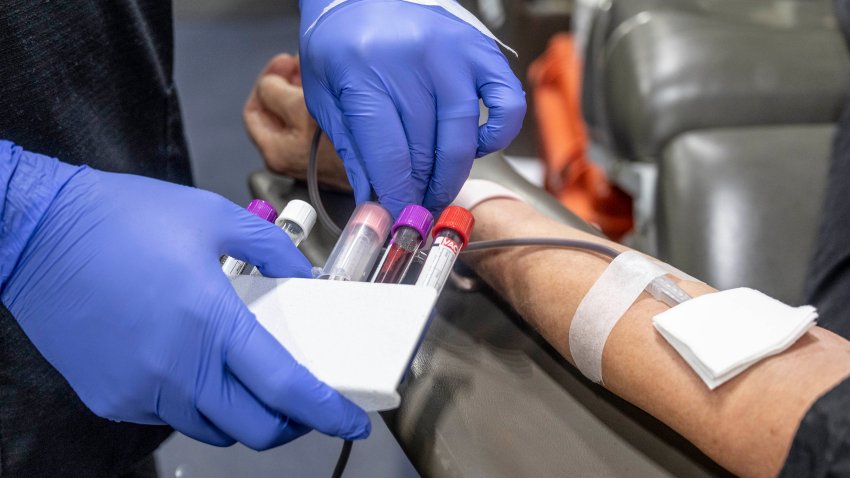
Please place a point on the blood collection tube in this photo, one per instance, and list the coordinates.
(408, 235)
(296, 220)
(359, 245)
(451, 235)
(233, 267)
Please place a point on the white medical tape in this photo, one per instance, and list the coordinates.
(676, 272)
(477, 191)
(448, 5)
(605, 303)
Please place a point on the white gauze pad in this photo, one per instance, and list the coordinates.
(722, 334)
(448, 5)
(610, 297)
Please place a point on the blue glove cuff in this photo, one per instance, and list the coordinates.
(28, 184)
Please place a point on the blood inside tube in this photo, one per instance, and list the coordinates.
(395, 263)
(403, 247)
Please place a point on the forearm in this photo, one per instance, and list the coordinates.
(746, 425)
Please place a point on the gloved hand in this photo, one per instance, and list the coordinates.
(396, 85)
(119, 286)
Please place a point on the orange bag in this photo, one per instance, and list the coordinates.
(580, 185)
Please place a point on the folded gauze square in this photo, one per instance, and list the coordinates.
(721, 334)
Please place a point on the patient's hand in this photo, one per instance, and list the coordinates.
(278, 123)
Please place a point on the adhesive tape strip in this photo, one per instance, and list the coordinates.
(608, 299)
(477, 191)
(448, 5)
(676, 272)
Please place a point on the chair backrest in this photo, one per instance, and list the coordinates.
(741, 207)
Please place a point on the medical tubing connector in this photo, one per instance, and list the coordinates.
(666, 291)
(408, 234)
(451, 235)
(296, 220)
(358, 247)
(234, 267)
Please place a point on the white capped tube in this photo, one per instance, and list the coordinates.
(296, 220)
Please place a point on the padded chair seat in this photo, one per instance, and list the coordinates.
(741, 207)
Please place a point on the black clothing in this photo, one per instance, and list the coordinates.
(828, 281)
(821, 446)
(90, 81)
(86, 81)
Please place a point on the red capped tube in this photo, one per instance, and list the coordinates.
(451, 235)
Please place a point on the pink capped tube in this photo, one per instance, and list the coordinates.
(359, 245)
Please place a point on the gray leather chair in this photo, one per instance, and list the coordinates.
(717, 116)
(487, 397)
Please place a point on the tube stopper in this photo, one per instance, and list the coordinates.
(457, 219)
(264, 210)
(417, 217)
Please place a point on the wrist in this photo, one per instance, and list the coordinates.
(28, 184)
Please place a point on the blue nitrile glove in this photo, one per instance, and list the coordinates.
(395, 86)
(116, 280)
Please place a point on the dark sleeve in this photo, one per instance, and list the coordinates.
(821, 447)
(828, 280)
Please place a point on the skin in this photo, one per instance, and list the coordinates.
(746, 425)
(278, 123)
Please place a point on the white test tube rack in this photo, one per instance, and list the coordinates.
(357, 337)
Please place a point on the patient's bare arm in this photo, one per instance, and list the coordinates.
(746, 425)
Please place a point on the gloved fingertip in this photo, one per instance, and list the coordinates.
(365, 430)
(359, 182)
(438, 198)
(435, 210)
(295, 265)
(394, 207)
(507, 112)
(360, 425)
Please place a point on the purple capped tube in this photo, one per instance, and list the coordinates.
(408, 234)
(233, 267)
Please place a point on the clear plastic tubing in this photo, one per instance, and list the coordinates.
(408, 235)
(233, 267)
(296, 220)
(359, 245)
(451, 235)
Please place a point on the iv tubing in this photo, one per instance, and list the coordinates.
(662, 288)
(313, 186)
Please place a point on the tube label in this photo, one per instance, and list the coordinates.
(439, 264)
